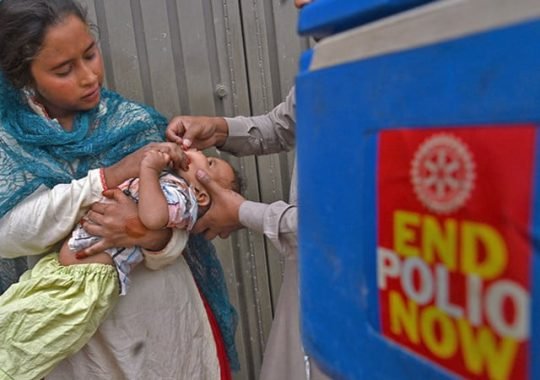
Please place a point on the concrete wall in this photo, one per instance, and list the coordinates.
(214, 57)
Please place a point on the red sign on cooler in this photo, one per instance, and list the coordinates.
(454, 247)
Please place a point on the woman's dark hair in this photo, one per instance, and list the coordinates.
(23, 24)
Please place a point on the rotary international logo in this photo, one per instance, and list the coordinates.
(443, 173)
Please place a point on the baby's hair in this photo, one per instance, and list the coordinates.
(23, 24)
(238, 185)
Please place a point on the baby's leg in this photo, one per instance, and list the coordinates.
(67, 257)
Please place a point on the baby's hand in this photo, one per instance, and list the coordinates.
(155, 160)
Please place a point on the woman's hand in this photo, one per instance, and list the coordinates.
(118, 224)
(199, 132)
(128, 167)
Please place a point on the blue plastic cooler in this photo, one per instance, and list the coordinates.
(418, 174)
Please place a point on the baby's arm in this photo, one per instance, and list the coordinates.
(153, 207)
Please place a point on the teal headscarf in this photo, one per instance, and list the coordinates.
(35, 151)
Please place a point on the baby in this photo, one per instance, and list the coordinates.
(164, 199)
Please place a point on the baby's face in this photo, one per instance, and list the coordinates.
(219, 170)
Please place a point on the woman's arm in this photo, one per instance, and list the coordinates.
(129, 166)
(46, 217)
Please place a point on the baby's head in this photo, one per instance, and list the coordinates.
(217, 169)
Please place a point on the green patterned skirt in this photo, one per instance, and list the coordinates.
(51, 313)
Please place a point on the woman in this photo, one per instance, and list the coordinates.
(57, 128)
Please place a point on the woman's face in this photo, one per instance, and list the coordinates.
(68, 70)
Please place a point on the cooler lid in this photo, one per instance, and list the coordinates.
(325, 17)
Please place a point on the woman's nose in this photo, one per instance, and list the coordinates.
(87, 75)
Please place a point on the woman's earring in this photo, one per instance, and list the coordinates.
(29, 92)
